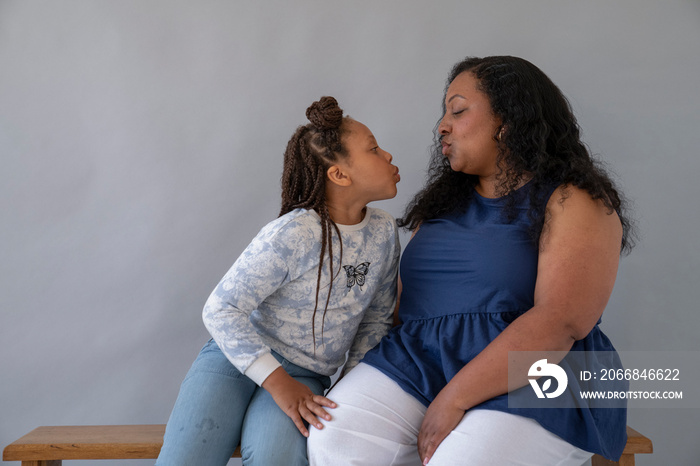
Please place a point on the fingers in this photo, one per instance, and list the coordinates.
(300, 404)
(316, 406)
(323, 401)
(310, 417)
(426, 449)
(423, 449)
(299, 423)
(429, 439)
(440, 419)
(312, 409)
(320, 412)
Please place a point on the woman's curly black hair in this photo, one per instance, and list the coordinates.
(540, 140)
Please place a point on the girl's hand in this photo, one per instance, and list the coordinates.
(440, 419)
(297, 400)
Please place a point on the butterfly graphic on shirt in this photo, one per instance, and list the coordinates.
(356, 274)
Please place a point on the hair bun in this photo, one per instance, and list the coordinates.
(325, 114)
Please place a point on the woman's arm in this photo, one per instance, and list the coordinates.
(578, 260)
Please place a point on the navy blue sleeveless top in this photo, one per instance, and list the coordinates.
(465, 277)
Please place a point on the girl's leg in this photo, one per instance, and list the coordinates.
(270, 438)
(205, 424)
(487, 437)
(376, 422)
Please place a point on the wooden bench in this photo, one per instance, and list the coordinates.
(48, 446)
(636, 444)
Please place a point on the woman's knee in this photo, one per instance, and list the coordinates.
(318, 445)
(479, 439)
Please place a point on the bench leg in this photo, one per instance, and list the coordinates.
(625, 460)
(42, 463)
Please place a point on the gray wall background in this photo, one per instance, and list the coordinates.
(141, 149)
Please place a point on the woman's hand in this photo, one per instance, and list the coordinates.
(297, 400)
(440, 419)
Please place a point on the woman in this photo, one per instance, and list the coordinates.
(517, 237)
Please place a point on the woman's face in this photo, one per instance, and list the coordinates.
(468, 129)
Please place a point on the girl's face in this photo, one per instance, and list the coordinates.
(468, 129)
(373, 175)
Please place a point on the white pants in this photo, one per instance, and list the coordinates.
(377, 423)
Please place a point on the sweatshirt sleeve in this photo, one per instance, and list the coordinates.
(378, 317)
(256, 274)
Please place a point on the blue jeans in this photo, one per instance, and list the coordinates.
(218, 407)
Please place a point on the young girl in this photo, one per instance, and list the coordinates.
(314, 284)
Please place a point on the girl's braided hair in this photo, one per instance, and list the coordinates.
(312, 149)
